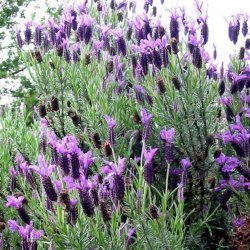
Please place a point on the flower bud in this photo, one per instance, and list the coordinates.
(174, 45)
(54, 103)
(96, 140)
(107, 149)
(42, 110)
(242, 53)
(176, 83)
(153, 211)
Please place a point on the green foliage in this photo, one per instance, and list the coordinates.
(86, 92)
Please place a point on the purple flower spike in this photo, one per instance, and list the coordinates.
(75, 162)
(43, 169)
(53, 31)
(66, 51)
(226, 100)
(118, 187)
(111, 124)
(88, 21)
(204, 30)
(86, 161)
(76, 52)
(27, 32)
(244, 25)
(148, 169)
(12, 201)
(36, 234)
(168, 135)
(46, 42)
(146, 120)
(64, 161)
(74, 19)
(73, 216)
(52, 141)
(28, 234)
(174, 25)
(38, 35)
(58, 185)
(120, 41)
(18, 37)
(234, 29)
(25, 169)
(139, 94)
(13, 225)
(17, 203)
(149, 155)
(13, 179)
(130, 233)
(115, 177)
(185, 163)
(228, 164)
(45, 172)
(86, 200)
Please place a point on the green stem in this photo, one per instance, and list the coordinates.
(203, 113)
(150, 195)
(167, 177)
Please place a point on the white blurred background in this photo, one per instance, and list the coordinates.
(219, 13)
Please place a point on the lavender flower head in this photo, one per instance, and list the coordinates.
(38, 34)
(244, 25)
(120, 41)
(28, 234)
(51, 25)
(86, 160)
(146, 120)
(18, 37)
(35, 235)
(174, 25)
(234, 29)
(42, 169)
(13, 179)
(66, 51)
(12, 201)
(27, 32)
(17, 203)
(45, 172)
(76, 52)
(228, 164)
(111, 124)
(185, 164)
(167, 136)
(148, 169)
(114, 174)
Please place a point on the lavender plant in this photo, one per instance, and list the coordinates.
(126, 150)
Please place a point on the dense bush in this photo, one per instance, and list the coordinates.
(138, 142)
